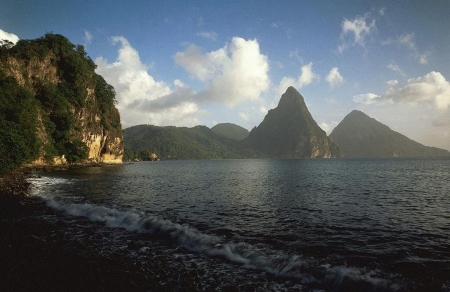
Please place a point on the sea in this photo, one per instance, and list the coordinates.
(301, 224)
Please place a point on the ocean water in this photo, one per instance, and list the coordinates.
(308, 224)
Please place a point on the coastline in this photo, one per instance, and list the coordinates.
(40, 255)
(35, 255)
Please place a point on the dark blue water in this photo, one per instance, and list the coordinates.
(324, 225)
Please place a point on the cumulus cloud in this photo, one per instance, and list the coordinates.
(142, 99)
(367, 98)
(431, 89)
(355, 31)
(233, 74)
(129, 75)
(208, 35)
(334, 78)
(8, 36)
(306, 77)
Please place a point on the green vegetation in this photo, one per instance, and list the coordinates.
(43, 83)
(359, 135)
(231, 131)
(18, 140)
(184, 143)
(288, 131)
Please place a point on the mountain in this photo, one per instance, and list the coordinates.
(289, 131)
(198, 142)
(359, 135)
(54, 108)
(231, 131)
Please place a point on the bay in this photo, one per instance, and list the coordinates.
(311, 224)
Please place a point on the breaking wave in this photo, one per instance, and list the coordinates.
(249, 256)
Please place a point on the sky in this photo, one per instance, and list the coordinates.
(188, 63)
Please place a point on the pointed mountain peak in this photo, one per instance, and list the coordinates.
(290, 97)
(357, 113)
(359, 135)
(290, 131)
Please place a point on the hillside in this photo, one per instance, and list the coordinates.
(198, 142)
(231, 131)
(54, 107)
(289, 131)
(359, 135)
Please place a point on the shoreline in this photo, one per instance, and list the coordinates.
(40, 255)
(35, 254)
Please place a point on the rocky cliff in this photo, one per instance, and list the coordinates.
(70, 108)
(289, 131)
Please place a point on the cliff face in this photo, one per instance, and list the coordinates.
(289, 131)
(76, 119)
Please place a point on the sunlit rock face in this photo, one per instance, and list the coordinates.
(92, 122)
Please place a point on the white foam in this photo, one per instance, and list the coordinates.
(275, 262)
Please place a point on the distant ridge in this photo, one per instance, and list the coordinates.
(171, 142)
(289, 131)
(231, 131)
(359, 135)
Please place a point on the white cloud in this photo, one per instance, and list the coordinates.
(201, 66)
(408, 41)
(328, 127)
(334, 78)
(244, 116)
(276, 24)
(324, 126)
(87, 37)
(129, 76)
(141, 99)
(382, 11)
(356, 30)
(8, 36)
(367, 98)
(307, 76)
(423, 58)
(331, 100)
(431, 89)
(208, 35)
(396, 68)
(295, 54)
(232, 74)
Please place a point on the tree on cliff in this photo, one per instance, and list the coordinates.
(18, 140)
(37, 112)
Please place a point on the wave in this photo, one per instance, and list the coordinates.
(308, 271)
(260, 257)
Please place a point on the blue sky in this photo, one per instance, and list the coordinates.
(186, 63)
